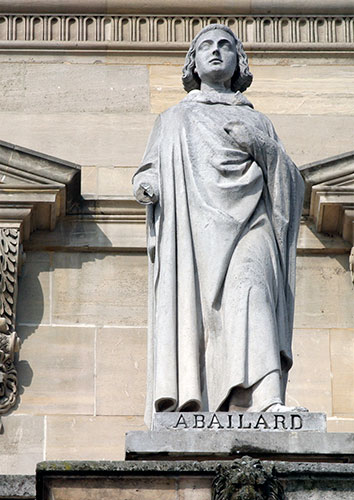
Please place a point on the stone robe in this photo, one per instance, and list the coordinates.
(221, 246)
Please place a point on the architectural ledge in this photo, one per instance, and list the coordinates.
(35, 191)
(329, 195)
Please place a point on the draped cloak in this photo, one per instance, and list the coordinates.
(221, 247)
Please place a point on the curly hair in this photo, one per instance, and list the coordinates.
(241, 79)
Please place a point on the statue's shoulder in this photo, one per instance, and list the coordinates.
(176, 111)
(259, 119)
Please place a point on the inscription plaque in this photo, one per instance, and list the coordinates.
(235, 421)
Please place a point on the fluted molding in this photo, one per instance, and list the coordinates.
(172, 33)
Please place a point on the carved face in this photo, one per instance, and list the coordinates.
(216, 57)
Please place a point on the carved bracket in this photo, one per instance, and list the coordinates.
(247, 479)
(9, 341)
(35, 191)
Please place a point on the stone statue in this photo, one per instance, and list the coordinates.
(224, 203)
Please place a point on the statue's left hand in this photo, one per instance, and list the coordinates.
(258, 144)
(243, 134)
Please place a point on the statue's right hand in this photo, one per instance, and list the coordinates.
(146, 194)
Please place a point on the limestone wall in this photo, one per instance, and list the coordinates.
(82, 303)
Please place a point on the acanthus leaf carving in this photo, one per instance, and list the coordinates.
(9, 341)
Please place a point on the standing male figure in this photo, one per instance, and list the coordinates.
(224, 204)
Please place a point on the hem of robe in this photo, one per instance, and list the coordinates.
(272, 381)
(270, 384)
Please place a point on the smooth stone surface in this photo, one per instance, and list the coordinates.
(210, 422)
(288, 90)
(342, 358)
(105, 289)
(222, 443)
(100, 139)
(98, 88)
(125, 347)
(22, 443)
(78, 437)
(56, 371)
(324, 292)
(310, 378)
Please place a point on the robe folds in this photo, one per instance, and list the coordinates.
(221, 245)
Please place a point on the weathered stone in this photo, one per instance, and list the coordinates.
(194, 489)
(211, 422)
(22, 443)
(113, 489)
(221, 315)
(182, 480)
(17, 486)
(9, 342)
(223, 443)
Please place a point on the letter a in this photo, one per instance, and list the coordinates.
(215, 421)
(261, 421)
(181, 421)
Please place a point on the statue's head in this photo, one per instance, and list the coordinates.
(233, 62)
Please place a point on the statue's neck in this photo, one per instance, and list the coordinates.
(220, 88)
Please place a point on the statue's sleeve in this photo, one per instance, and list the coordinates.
(145, 180)
(284, 192)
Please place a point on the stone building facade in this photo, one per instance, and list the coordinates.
(81, 85)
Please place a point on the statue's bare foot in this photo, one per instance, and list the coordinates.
(278, 407)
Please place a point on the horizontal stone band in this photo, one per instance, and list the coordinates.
(169, 31)
(181, 7)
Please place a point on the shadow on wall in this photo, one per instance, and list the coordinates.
(52, 273)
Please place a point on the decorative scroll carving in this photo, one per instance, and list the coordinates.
(310, 30)
(9, 342)
(246, 479)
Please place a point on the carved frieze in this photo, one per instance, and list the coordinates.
(174, 31)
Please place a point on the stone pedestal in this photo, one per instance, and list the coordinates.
(205, 456)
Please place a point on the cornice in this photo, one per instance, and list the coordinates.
(172, 33)
(197, 7)
(329, 197)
